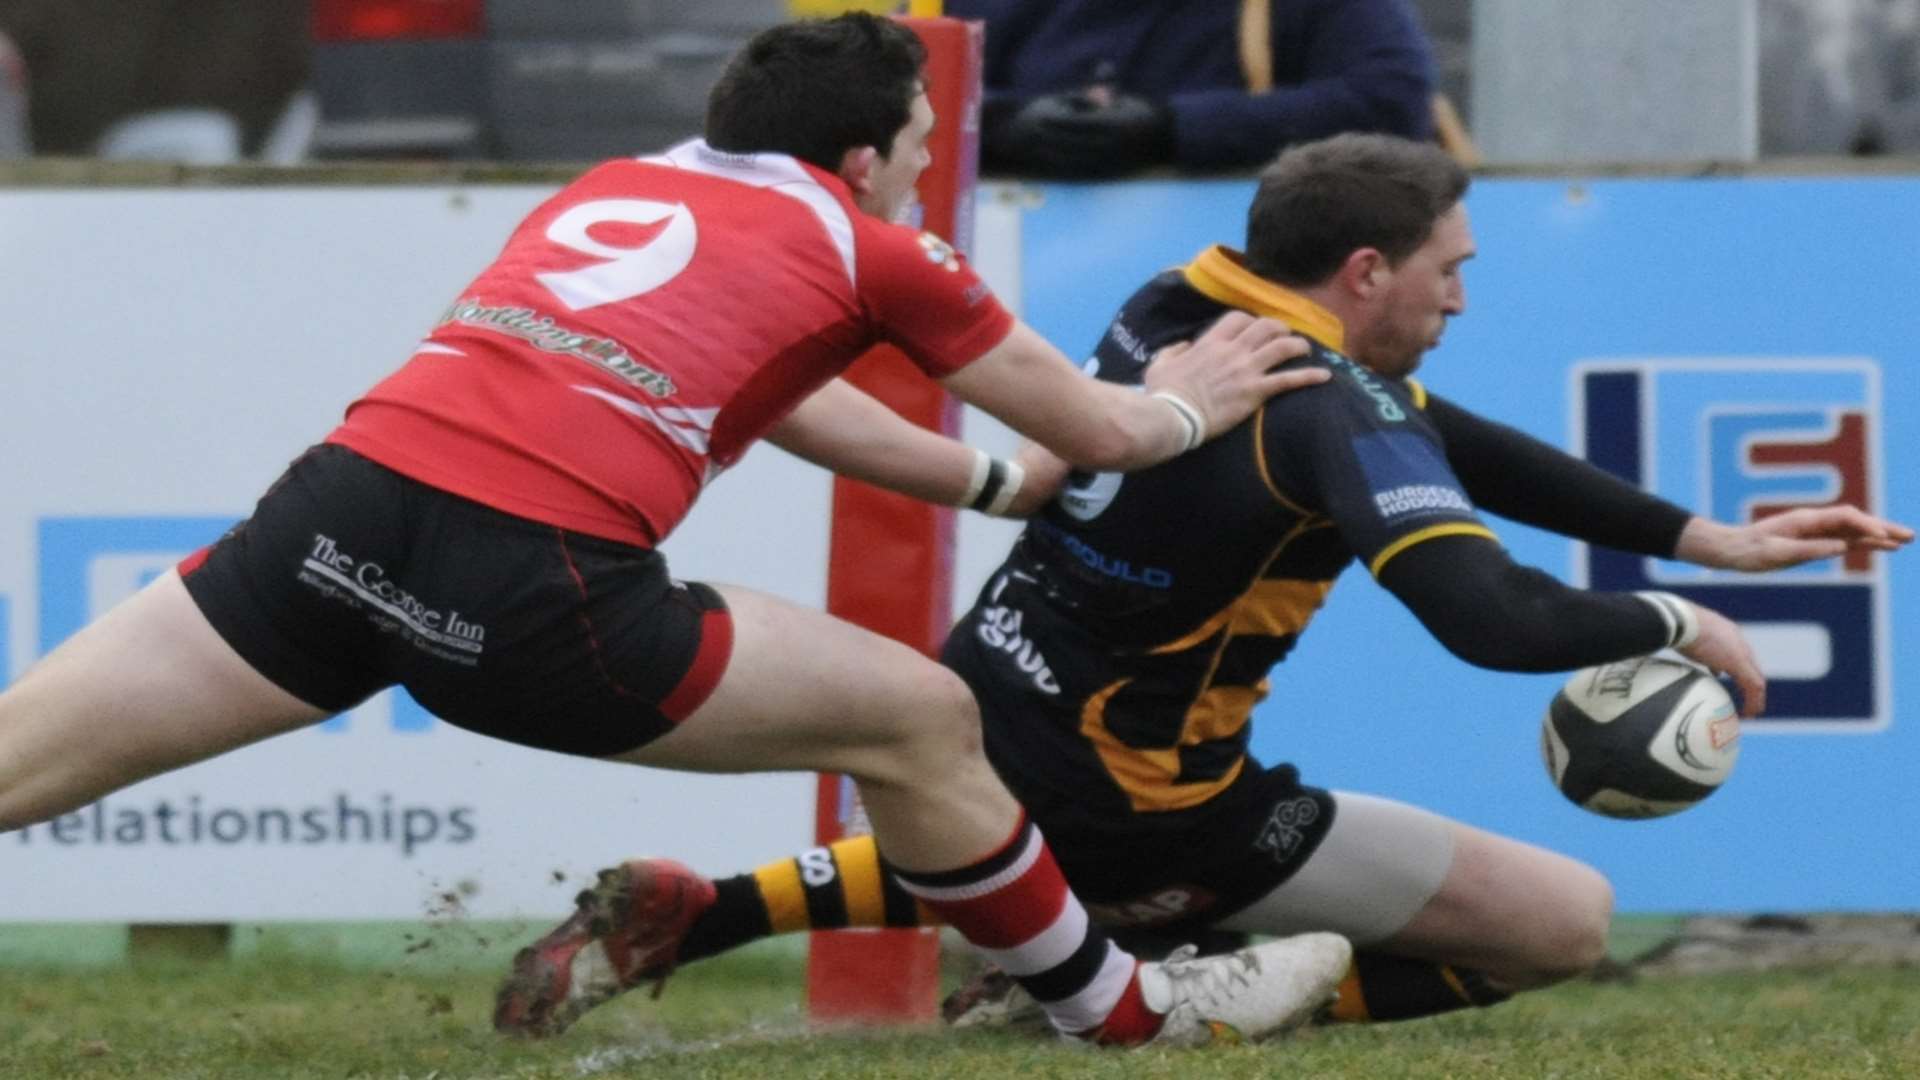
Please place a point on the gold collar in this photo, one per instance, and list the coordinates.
(1218, 274)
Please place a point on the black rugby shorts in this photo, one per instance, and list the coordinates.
(1176, 870)
(1226, 853)
(350, 578)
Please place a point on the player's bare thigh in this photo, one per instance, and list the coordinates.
(1525, 916)
(1404, 880)
(804, 690)
(147, 687)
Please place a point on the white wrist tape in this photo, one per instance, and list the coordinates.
(1010, 487)
(1683, 623)
(982, 467)
(1189, 416)
(994, 484)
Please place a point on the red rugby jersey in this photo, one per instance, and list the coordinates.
(646, 324)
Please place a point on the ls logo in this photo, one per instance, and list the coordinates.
(1742, 439)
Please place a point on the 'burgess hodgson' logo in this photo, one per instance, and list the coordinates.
(1400, 468)
(1738, 440)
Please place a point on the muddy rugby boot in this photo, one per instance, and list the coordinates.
(624, 931)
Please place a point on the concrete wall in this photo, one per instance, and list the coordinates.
(1628, 81)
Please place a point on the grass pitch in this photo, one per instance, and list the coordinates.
(413, 1002)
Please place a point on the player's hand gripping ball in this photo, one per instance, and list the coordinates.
(1640, 738)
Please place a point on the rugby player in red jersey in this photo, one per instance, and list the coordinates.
(638, 331)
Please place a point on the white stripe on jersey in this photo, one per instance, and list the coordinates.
(776, 172)
(688, 427)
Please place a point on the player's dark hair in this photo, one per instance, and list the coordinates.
(1319, 202)
(818, 88)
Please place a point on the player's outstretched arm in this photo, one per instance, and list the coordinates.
(1495, 613)
(1789, 539)
(1519, 477)
(842, 428)
(1194, 393)
(1512, 474)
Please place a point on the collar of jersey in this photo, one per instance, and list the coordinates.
(1216, 273)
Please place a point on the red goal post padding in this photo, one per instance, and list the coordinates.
(890, 558)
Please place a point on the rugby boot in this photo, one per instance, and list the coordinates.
(993, 999)
(624, 931)
(1254, 993)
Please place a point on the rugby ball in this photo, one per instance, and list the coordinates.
(1640, 738)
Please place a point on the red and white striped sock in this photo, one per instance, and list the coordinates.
(1015, 906)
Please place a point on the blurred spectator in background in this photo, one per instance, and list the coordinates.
(1093, 88)
(13, 103)
(1839, 76)
(199, 80)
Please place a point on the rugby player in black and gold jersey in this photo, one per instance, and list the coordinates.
(1119, 651)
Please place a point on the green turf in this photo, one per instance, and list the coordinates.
(355, 1002)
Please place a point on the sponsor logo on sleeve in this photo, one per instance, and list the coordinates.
(1126, 341)
(939, 252)
(1408, 478)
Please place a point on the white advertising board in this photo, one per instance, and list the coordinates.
(171, 350)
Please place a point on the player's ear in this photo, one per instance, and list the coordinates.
(856, 168)
(1365, 272)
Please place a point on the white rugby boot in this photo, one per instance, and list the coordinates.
(1254, 993)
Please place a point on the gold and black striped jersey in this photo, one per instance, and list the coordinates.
(1120, 650)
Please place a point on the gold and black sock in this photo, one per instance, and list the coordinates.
(1379, 987)
(824, 888)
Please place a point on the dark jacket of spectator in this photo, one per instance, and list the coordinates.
(94, 62)
(1197, 83)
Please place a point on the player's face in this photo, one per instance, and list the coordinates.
(1421, 294)
(893, 177)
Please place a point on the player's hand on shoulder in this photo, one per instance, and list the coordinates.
(1227, 372)
(1723, 649)
(1789, 539)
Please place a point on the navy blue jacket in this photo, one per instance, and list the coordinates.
(1338, 65)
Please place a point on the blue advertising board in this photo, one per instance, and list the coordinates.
(1734, 344)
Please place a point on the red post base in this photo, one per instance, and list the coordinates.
(890, 565)
(873, 976)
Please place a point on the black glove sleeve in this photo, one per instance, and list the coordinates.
(1076, 136)
(1495, 613)
(1515, 475)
